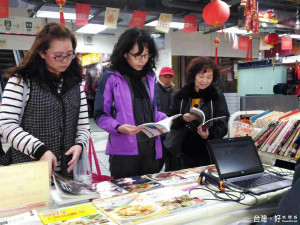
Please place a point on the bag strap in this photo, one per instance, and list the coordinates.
(92, 151)
(25, 92)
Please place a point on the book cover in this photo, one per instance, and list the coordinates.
(163, 193)
(168, 178)
(191, 174)
(27, 218)
(131, 208)
(64, 214)
(136, 183)
(158, 128)
(108, 189)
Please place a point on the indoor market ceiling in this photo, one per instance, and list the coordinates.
(285, 9)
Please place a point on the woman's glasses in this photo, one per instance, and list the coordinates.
(62, 58)
(140, 57)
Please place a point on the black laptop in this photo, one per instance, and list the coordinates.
(239, 166)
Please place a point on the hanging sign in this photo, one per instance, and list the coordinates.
(164, 22)
(90, 59)
(111, 17)
(82, 13)
(243, 43)
(286, 43)
(20, 25)
(190, 24)
(138, 19)
(4, 8)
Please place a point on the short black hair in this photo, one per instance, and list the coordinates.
(126, 42)
(201, 64)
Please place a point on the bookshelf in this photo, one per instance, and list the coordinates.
(275, 156)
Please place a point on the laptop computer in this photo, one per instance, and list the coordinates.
(239, 166)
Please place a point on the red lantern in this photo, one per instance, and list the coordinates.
(61, 3)
(216, 13)
(271, 39)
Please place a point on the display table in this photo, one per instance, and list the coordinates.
(211, 212)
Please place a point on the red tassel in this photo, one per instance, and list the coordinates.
(216, 55)
(249, 51)
(61, 13)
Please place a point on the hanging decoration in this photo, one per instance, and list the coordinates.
(251, 17)
(243, 43)
(82, 13)
(249, 50)
(286, 43)
(243, 3)
(268, 16)
(216, 41)
(4, 8)
(190, 24)
(61, 3)
(216, 13)
(138, 19)
(272, 39)
(111, 17)
(164, 22)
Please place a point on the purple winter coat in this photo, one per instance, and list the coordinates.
(113, 92)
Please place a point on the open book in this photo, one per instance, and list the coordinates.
(201, 118)
(158, 128)
(68, 191)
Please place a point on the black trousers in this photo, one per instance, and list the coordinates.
(190, 161)
(135, 165)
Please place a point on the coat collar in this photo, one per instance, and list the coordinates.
(210, 93)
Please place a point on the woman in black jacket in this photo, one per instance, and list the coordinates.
(202, 73)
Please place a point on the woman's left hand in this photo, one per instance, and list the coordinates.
(75, 151)
(203, 134)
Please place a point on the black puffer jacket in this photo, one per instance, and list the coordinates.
(213, 105)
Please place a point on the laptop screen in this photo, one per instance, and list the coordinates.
(235, 157)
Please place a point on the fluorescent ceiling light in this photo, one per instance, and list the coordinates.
(175, 25)
(56, 15)
(91, 29)
(294, 36)
(235, 30)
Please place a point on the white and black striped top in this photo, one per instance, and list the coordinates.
(10, 113)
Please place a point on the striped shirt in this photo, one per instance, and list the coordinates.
(10, 112)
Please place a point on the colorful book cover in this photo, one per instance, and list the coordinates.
(191, 174)
(168, 178)
(27, 218)
(136, 183)
(108, 190)
(131, 208)
(64, 214)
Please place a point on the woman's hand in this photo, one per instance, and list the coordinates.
(129, 130)
(50, 157)
(187, 117)
(203, 134)
(75, 151)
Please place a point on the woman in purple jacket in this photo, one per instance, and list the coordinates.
(126, 98)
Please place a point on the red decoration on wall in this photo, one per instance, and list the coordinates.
(216, 13)
(82, 13)
(216, 41)
(286, 43)
(61, 3)
(138, 19)
(4, 8)
(251, 16)
(249, 50)
(243, 43)
(271, 39)
(190, 24)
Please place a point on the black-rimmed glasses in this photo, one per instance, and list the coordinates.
(140, 57)
(62, 58)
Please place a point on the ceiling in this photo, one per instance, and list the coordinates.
(285, 10)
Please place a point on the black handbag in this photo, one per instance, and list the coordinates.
(174, 139)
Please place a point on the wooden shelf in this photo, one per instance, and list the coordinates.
(275, 156)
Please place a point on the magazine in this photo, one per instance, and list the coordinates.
(168, 178)
(201, 118)
(108, 189)
(162, 194)
(57, 216)
(136, 183)
(158, 128)
(27, 218)
(68, 191)
(130, 208)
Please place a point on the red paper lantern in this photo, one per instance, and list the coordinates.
(216, 13)
(60, 2)
(271, 39)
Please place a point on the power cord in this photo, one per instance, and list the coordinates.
(232, 195)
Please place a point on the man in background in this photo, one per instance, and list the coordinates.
(165, 94)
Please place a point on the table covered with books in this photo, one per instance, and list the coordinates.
(163, 198)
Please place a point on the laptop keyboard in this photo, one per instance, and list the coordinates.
(257, 181)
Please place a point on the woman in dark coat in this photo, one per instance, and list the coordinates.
(200, 92)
